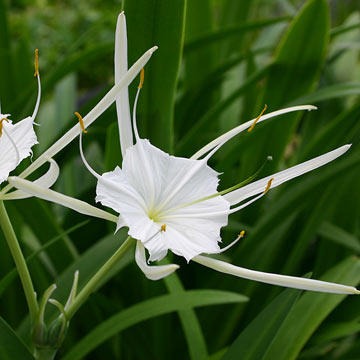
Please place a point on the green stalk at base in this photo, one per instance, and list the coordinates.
(20, 262)
(98, 277)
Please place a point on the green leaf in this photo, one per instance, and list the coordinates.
(339, 236)
(295, 72)
(229, 32)
(190, 323)
(146, 310)
(6, 69)
(254, 341)
(217, 109)
(310, 311)
(328, 93)
(11, 275)
(11, 346)
(161, 23)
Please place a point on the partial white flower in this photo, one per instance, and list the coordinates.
(16, 140)
(116, 92)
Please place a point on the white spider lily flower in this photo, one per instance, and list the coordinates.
(172, 203)
(16, 140)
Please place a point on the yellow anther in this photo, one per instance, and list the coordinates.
(36, 62)
(2, 125)
(142, 76)
(163, 228)
(242, 234)
(268, 185)
(81, 121)
(256, 120)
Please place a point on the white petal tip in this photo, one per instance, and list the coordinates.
(312, 107)
(152, 50)
(356, 291)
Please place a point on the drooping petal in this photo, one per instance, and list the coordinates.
(275, 279)
(257, 187)
(15, 145)
(50, 195)
(237, 130)
(47, 180)
(152, 272)
(103, 104)
(122, 102)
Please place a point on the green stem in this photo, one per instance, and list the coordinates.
(20, 262)
(98, 277)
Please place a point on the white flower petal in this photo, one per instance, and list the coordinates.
(153, 189)
(103, 104)
(22, 136)
(233, 132)
(152, 272)
(47, 180)
(257, 187)
(67, 201)
(122, 102)
(275, 279)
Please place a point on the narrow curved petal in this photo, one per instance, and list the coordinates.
(237, 130)
(103, 104)
(257, 187)
(152, 272)
(122, 102)
(275, 279)
(23, 137)
(50, 195)
(47, 180)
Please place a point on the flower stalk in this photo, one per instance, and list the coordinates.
(94, 282)
(20, 262)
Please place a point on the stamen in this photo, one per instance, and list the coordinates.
(268, 186)
(136, 133)
(36, 62)
(91, 170)
(2, 125)
(142, 77)
(81, 121)
(240, 236)
(256, 120)
(163, 228)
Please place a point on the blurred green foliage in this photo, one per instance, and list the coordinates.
(218, 63)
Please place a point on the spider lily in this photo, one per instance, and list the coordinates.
(16, 140)
(172, 203)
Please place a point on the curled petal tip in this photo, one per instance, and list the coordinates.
(152, 50)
